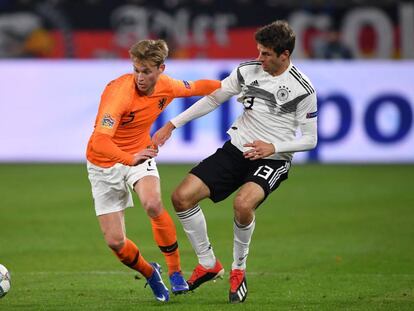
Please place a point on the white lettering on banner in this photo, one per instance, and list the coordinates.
(351, 26)
(407, 29)
(365, 110)
(133, 23)
(379, 21)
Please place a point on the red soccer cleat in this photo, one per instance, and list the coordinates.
(201, 275)
(238, 286)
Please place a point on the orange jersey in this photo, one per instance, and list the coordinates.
(124, 120)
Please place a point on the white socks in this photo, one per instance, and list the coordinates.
(194, 224)
(242, 238)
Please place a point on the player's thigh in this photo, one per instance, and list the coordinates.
(249, 196)
(109, 189)
(146, 169)
(191, 190)
(223, 172)
(113, 227)
(148, 190)
(268, 174)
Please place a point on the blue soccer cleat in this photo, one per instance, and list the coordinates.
(178, 284)
(157, 285)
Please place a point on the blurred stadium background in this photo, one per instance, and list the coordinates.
(352, 222)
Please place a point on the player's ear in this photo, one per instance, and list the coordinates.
(161, 68)
(286, 53)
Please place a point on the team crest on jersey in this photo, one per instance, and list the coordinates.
(161, 103)
(187, 84)
(107, 121)
(283, 93)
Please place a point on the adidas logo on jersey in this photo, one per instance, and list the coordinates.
(254, 83)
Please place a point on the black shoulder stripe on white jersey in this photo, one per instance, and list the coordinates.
(303, 81)
(291, 106)
(307, 88)
(251, 62)
(295, 70)
(239, 75)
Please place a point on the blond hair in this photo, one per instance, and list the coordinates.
(155, 51)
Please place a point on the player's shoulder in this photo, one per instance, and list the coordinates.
(124, 80)
(164, 83)
(167, 83)
(164, 79)
(251, 65)
(249, 68)
(301, 79)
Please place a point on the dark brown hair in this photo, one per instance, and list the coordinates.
(277, 36)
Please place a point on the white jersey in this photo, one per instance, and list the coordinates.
(274, 106)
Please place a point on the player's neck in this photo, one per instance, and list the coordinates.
(285, 65)
(148, 92)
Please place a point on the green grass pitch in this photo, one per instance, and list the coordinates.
(332, 237)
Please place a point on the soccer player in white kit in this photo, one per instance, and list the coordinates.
(277, 99)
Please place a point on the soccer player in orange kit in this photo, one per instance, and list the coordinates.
(120, 153)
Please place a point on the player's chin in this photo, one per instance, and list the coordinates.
(142, 88)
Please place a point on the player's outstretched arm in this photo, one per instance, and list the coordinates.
(161, 136)
(205, 87)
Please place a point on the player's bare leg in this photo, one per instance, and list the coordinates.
(245, 203)
(113, 228)
(163, 228)
(185, 200)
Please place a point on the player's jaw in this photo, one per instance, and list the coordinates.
(272, 63)
(146, 76)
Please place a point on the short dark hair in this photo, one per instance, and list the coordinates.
(277, 36)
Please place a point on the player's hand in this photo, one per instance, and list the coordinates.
(259, 150)
(144, 155)
(161, 136)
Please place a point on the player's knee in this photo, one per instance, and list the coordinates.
(180, 200)
(115, 242)
(242, 204)
(152, 206)
(243, 209)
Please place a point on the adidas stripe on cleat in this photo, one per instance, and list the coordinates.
(238, 286)
(201, 275)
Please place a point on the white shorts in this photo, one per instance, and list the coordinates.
(110, 189)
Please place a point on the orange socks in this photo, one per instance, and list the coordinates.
(130, 256)
(163, 229)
